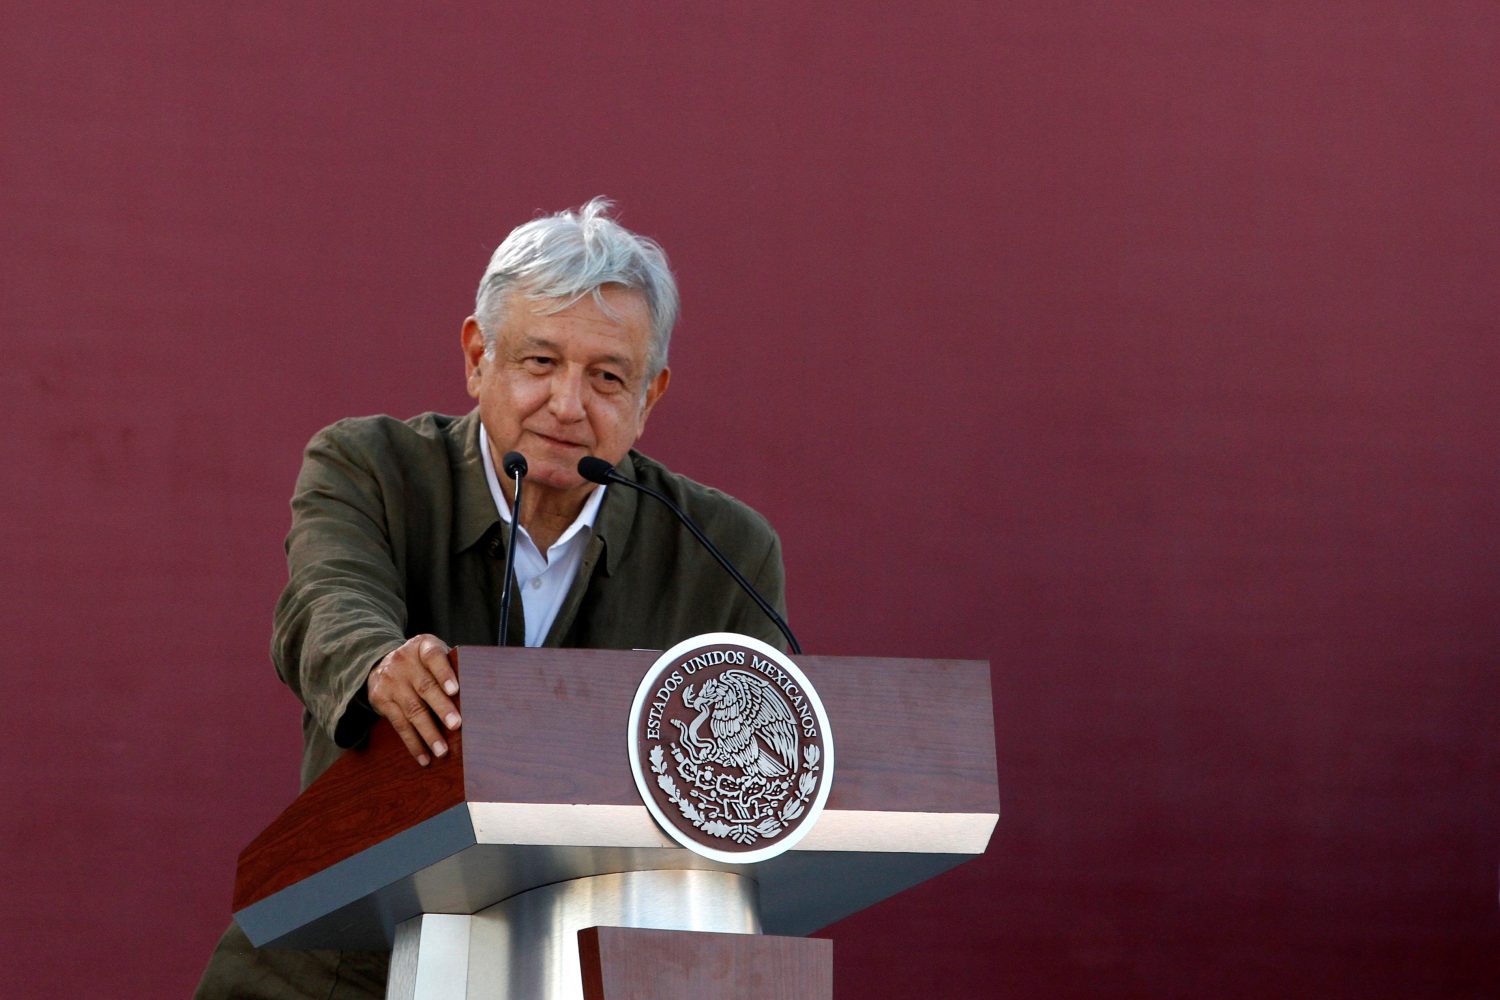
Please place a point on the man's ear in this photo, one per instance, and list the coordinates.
(655, 389)
(473, 343)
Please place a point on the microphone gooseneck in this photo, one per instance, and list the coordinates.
(514, 464)
(597, 470)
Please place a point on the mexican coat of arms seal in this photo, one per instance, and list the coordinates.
(730, 747)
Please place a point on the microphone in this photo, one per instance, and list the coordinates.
(597, 470)
(514, 464)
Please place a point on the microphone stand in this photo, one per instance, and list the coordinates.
(514, 465)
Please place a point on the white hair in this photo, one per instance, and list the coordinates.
(566, 256)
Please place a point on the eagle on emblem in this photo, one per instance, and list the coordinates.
(752, 727)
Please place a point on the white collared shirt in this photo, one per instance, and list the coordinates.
(543, 580)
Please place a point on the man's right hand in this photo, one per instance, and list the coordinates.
(411, 688)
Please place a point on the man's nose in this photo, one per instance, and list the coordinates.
(566, 400)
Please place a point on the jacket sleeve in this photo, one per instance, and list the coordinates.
(344, 606)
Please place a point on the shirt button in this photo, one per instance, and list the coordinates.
(536, 584)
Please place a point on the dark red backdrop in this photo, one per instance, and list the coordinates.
(1147, 350)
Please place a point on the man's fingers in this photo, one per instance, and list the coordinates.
(408, 689)
(412, 722)
(434, 653)
(436, 681)
(419, 718)
(411, 739)
(432, 695)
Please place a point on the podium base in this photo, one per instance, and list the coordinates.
(527, 946)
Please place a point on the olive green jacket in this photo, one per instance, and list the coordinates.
(395, 533)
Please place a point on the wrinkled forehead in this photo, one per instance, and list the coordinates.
(620, 303)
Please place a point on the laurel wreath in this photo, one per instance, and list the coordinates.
(769, 824)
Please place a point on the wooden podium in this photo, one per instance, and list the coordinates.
(524, 863)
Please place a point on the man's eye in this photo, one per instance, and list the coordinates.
(539, 363)
(609, 380)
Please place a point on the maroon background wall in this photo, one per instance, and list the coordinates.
(1147, 350)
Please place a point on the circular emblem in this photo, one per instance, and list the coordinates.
(730, 747)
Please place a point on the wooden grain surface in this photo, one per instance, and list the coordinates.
(909, 735)
(367, 796)
(627, 963)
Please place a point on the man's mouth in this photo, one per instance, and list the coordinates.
(557, 442)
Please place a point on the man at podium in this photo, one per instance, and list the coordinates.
(400, 528)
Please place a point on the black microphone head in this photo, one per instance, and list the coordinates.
(514, 464)
(595, 469)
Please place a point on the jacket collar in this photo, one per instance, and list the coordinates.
(616, 515)
(474, 514)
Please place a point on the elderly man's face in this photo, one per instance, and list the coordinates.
(565, 385)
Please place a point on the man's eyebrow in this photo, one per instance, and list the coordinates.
(531, 342)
